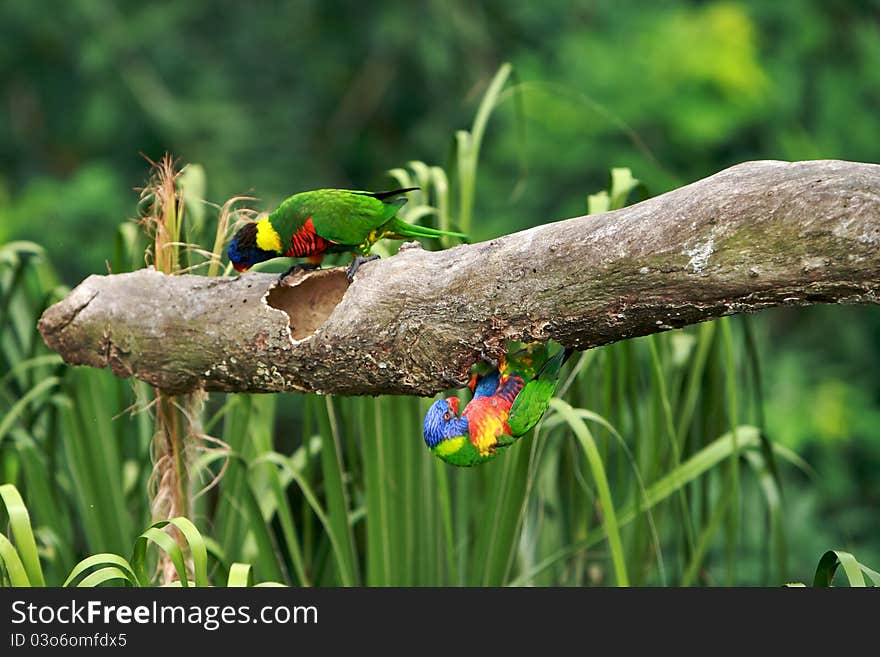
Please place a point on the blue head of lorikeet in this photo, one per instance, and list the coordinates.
(442, 422)
(243, 250)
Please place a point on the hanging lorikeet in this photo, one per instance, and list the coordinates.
(507, 402)
(312, 224)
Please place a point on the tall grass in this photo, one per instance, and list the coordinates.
(653, 467)
(177, 419)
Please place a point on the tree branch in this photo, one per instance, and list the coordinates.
(756, 235)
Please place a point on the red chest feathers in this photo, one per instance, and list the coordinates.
(306, 242)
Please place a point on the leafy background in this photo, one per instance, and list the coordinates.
(278, 97)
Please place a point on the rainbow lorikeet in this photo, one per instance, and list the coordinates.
(507, 402)
(312, 224)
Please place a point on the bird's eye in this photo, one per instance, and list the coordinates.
(446, 416)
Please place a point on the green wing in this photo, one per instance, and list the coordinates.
(534, 399)
(345, 216)
(530, 405)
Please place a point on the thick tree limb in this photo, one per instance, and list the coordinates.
(756, 235)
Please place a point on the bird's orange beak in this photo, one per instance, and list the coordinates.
(453, 404)
(472, 384)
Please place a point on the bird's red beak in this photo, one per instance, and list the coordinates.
(453, 404)
(472, 384)
(240, 267)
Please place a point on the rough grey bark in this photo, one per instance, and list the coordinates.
(756, 235)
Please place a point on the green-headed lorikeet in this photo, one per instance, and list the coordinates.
(312, 224)
(507, 402)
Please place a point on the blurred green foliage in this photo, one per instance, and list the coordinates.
(277, 97)
(281, 97)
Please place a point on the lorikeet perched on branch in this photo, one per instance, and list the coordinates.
(312, 224)
(507, 402)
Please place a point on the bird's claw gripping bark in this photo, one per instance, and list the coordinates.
(300, 266)
(355, 265)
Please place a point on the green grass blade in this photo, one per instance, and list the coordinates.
(440, 184)
(240, 574)
(609, 515)
(106, 574)
(622, 184)
(698, 464)
(660, 383)
(705, 337)
(402, 177)
(793, 458)
(165, 542)
(445, 500)
(268, 564)
(336, 541)
(423, 178)
(873, 575)
(591, 416)
(704, 460)
(468, 146)
(197, 549)
(733, 415)
(30, 363)
(19, 407)
(170, 546)
(92, 442)
(499, 516)
(463, 149)
(376, 480)
(337, 496)
(12, 562)
(20, 522)
(106, 560)
(46, 502)
(598, 203)
(706, 535)
(484, 111)
(828, 566)
(288, 527)
(241, 519)
(767, 479)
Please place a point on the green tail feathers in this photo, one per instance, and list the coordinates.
(401, 229)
